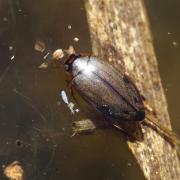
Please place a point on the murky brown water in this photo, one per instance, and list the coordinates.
(164, 18)
(31, 109)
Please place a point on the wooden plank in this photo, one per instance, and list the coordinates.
(120, 34)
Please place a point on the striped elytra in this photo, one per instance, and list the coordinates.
(105, 88)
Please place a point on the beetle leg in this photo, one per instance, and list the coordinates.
(143, 97)
(149, 108)
(132, 134)
(71, 89)
(118, 127)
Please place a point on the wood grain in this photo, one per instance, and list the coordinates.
(120, 34)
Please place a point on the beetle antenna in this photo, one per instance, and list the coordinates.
(169, 135)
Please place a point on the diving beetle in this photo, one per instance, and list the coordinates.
(107, 89)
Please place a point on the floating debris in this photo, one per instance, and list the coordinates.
(19, 143)
(39, 46)
(76, 39)
(11, 48)
(169, 33)
(77, 110)
(44, 65)
(69, 27)
(58, 54)
(7, 142)
(129, 164)
(14, 171)
(12, 57)
(64, 97)
(79, 127)
(48, 56)
(5, 19)
(70, 105)
(175, 44)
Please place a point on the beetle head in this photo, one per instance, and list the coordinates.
(69, 61)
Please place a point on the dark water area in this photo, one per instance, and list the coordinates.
(35, 124)
(164, 18)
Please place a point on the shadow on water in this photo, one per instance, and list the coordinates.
(35, 124)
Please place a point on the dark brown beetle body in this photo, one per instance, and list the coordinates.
(107, 89)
